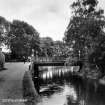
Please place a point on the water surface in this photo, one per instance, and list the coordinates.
(59, 87)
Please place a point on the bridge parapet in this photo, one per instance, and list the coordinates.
(48, 59)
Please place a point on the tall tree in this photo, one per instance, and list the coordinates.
(85, 29)
(85, 32)
(60, 49)
(4, 30)
(24, 38)
(46, 45)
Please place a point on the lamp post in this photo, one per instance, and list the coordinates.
(79, 54)
(37, 56)
(86, 53)
(33, 51)
(32, 56)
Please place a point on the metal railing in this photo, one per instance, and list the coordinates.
(49, 59)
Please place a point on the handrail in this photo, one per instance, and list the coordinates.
(49, 59)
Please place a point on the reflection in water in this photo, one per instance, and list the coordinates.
(59, 87)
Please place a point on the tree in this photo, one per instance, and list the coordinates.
(85, 30)
(24, 38)
(4, 30)
(46, 45)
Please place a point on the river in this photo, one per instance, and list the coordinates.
(59, 87)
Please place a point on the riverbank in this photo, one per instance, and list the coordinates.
(29, 92)
(91, 75)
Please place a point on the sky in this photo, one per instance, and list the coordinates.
(49, 17)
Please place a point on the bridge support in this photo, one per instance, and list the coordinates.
(36, 77)
(36, 71)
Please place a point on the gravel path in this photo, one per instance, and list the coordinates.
(11, 84)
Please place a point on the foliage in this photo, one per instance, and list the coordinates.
(23, 38)
(85, 30)
(60, 49)
(46, 46)
(85, 34)
(4, 30)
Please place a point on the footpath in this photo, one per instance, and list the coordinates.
(16, 87)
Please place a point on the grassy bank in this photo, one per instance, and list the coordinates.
(29, 92)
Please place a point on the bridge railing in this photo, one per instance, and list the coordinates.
(49, 59)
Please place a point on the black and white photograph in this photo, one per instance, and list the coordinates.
(52, 52)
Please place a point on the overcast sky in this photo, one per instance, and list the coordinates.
(49, 17)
